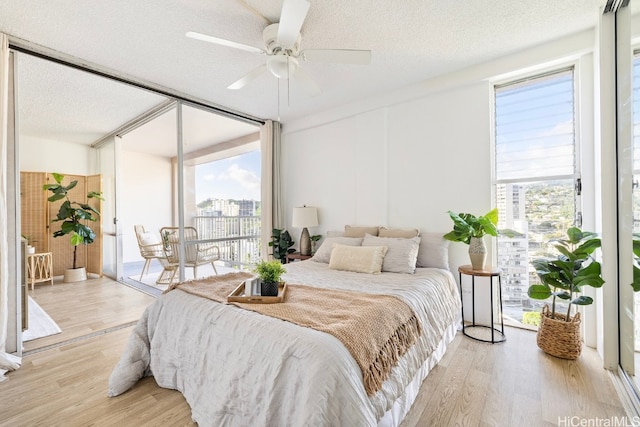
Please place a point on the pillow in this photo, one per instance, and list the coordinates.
(401, 255)
(323, 254)
(434, 251)
(358, 258)
(149, 238)
(398, 232)
(350, 231)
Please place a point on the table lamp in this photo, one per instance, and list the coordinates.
(305, 217)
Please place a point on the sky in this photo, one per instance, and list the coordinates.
(235, 177)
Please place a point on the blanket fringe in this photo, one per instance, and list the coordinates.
(397, 345)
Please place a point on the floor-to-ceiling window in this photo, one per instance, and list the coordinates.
(536, 179)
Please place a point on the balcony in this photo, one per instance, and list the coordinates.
(238, 238)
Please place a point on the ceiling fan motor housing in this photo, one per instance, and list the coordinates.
(270, 38)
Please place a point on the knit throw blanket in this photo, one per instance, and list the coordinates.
(376, 329)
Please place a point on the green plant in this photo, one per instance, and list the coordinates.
(73, 214)
(316, 237)
(29, 240)
(636, 263)
(281, 242)
(466, 226)
(269, 271)
(564, 276)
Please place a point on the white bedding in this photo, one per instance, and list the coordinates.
(236, 367)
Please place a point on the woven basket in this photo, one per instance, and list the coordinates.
(558, 337)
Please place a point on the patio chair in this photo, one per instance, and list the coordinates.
(196, 254)
(150, 247)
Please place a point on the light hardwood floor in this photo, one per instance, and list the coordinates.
(476, 384)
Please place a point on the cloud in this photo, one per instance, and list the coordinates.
(209, 177)
(244, 177)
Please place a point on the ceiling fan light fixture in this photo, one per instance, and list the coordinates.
(282, 66)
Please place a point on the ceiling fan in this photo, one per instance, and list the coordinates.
(282, 48)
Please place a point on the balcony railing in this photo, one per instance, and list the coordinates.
(238, 237)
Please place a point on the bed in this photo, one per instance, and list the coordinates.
(238, 367)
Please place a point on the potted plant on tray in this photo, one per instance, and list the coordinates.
(471, 229)
(74, 216)
(269, 273)
(564, 277)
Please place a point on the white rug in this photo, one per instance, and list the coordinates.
(40, 323)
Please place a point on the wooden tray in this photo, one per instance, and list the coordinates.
(238, 296)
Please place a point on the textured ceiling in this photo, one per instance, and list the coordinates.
(411, 41)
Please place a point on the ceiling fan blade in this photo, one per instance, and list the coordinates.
(291, 19)
(306, 83)
(339, 56)
(249, 77)
(223, 42)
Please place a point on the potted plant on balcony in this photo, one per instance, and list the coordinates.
(471, 229)
(564, 277)
(74, 216)
(269, 273)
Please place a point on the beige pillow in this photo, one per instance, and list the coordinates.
(434, 251)
(323, 254)
(358, 258)
(350, 231)
(401, 255)
(398, 232)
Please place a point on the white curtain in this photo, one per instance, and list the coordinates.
(271, 191)
(8, 362)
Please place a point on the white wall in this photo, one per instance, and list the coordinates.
(405, 158)
(45, 155)
(145, 197)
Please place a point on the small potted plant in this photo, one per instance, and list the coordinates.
(269, 273)
(314, 242)
(74, 217)
(30, 248)
(471, 229)
(564, 277)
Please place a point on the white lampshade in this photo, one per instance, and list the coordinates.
(305, 217)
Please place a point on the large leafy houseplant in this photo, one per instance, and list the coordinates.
(574, 268)
(281, 242)
(466, 226)
(73, 215)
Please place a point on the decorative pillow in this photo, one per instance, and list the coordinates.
(149, 238)
(401, 255)
(350, 231)
(434, 251)
(323, 254)
(358, 258)
(398, 232)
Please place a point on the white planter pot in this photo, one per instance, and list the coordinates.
(31, 249)
(75, 275)
(477, 253)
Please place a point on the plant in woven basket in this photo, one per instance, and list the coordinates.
(564, 276)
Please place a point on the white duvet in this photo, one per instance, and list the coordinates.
(239, 368)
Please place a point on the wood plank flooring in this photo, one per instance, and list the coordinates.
(476, 384)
